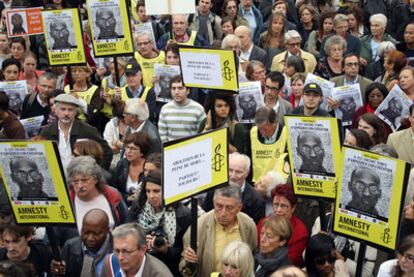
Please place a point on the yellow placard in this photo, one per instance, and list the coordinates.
(110, 27)
(63, 35)
(195, 164)
(34, 183)
(314, 147)
(209, 68)
(369, 199)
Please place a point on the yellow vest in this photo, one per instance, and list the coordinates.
(147, 66)
(190, 41)
(267, 157)
(85, 95)
(124, 95)
(107, 108)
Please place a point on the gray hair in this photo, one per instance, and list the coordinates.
(228, 39)
(385, 46)
(145, 33)
(292, 34)
(133, 229)
(335, 40)
(266, 114)
(231, 191)
(339, 18)
(384, 149)
(239, 254)
(275, 180)
(48, 76)
(380, 18)
(245, 158)
(181, 14)
(138, 107)
(84, 165)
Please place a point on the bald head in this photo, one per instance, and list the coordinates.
(95, 229)
(96, 217)
(245, 36)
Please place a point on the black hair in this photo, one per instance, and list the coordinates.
(376, 85)
(4, 101)
(319, 245)
(363, 140)
(276, 77)
(11, 61)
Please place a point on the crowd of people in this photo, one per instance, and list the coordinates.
(109, 119)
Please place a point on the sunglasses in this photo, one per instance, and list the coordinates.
(322, 260)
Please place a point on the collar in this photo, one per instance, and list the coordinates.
(248, 12)
(61, 130)
(353, 82)
(40, 101)
(134, 94)
(232, 228)
(272, 139)
(140, 271)
(248, 52)
(243, 186)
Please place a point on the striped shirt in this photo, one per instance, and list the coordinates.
(180, 121)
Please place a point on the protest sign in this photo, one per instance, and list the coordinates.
(63, 35)
(110, 27)
(248, 101)
(209, 68)
(394, 107)
(368, 184)
(16, 91)
(34, 182)
(24, 22)
(169, 7)
(325, 85)
(350, 99)
(194, 164)
(314, 148)
(164, 74)
(32, 125)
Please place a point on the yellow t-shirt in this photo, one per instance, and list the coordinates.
(223, 237)
(147, 66)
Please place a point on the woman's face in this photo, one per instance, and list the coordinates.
(406, 261)
(230, 270)
(259, 74)
(231, 8)
(350, 140)
(377, 29)
(153, 192)
(227, 28)
(325, 265)
(29, 64)
(388, 66)
(171, 58)
(148, 167)
(406, 80)
(362, 125)
(79, 74)
(282, 207)
(269, 241)
(297, 88)
(306, 16)
(17, 50)
(132, 152)
(409, 210)
(328, 25)
(11, 73)
(336, 51)
(353, 23)
(375, 98)
(278, 25)
(289, 70)
(222, 108)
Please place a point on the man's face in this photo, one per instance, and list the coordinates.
(311, 151)
(348, 107)
(112, 70)
(237, 171)
(394, 109)
(60, 32)
(84, 186)
(244, 37)
(409, 34)
(142, 14)
(66, 113)
(179, 25)
(106, 22)
(246, 4)
(231, 8)
(134, 80)
(311, 100)
(17, 248)
(130, 257)
(17, 20)
(145, 45)
(226, 209)
(293, 46)
(204, 6)
(248, 104)
(179, 93)
(94, 234)
(235, 46)
(46, 87)
(267, 129)
(406, 79)
(271, 89)
(27, 177)
(351, 67)
(365, 189)
(11, 73)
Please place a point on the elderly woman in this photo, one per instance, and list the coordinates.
(394, 62)
(369, 43)
(324, 30)
(273, 251)
(376, 69)
(164, 226)
(331, 65)
(88, 191)
(284, 204)
(266, 184)
(236, 261)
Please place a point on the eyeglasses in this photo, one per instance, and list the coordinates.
(408, 257)
(131, 148)
(294, 44)
(24, 175)
(352, 64)
(124, 252)
(307, 150)
(281, 206)
(361, 187)
(322, 260)
(272, 88)
(144, 43)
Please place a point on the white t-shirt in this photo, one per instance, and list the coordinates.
(82, 207)
(386, 268)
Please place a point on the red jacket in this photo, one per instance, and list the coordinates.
(296, 244)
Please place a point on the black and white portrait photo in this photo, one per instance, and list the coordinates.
(164, 74)
(248, 101)
(106, 20)
(350, 99)
(60, 32)
(18, 23)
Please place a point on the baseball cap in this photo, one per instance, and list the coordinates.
(132, 67)
(313, 87)
(67, 98)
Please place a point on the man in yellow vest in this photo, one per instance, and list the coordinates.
(268, 143)
(134, 87)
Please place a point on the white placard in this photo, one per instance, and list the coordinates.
(157, 7)
(201, 69)
(32, 125)
(325, 85)
(16, 91)
(164, 74)
(248, 101)
(350, 99)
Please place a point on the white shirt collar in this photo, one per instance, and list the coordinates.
(40, 101)
(246, 55)
(272, 139)
(140, 271)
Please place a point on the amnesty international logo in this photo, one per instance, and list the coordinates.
(218, 159)
(386, 237)
(227, 72)
(63, 213)
(126, 45)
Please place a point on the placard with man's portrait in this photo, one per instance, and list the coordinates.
(350, 99)
(248, 101)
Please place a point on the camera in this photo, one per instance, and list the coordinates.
(159, 237)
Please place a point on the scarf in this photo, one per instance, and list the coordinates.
(90, 262)
(150, 220)
(269, 265)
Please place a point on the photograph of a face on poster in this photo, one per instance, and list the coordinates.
(350, 100)
(312, 149)
(17, 23)
(59, 31)
(248, 101)
(164, 75)
(27, 173)
(16, 91)
(106, 20)
(366, 185)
